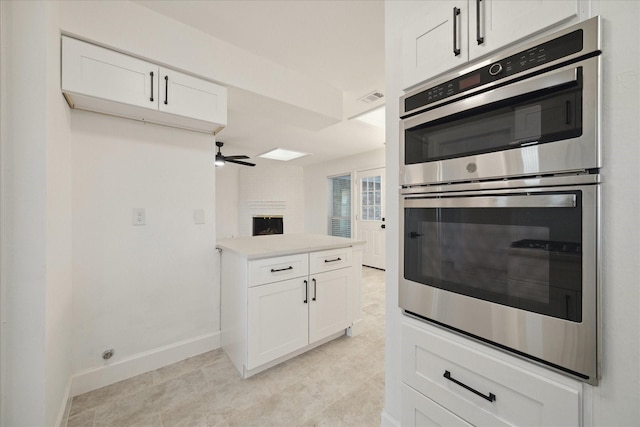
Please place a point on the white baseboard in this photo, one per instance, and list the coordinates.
(94, 378)
(387, 420)
(65, 407)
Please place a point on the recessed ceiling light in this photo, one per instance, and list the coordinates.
(374, 117)
(281, 154)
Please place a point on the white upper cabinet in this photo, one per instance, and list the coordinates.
(428, 42)
(105, 81)
(103, 73)
(192, 97)
(443, 35)
(495, 23)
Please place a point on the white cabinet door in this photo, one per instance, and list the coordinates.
(105, 74)
(420, 411)
(192, 97)
(505, 22)
(329, 301)
(429, 41)
(277, 320)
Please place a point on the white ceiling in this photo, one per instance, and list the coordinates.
(338, 42)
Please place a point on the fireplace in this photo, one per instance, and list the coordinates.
(264, 225)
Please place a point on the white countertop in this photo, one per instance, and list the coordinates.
(283, 244)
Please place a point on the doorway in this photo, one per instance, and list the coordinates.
(370, 225)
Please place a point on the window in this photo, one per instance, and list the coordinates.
(371, 198)
(340, 206)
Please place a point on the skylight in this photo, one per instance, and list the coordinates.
(282, 154)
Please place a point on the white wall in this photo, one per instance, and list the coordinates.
(140, 288)
(36, 219)
(614, 400)
(317, 190)
(227, 201)
(271, 189)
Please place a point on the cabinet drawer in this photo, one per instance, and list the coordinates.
(270, 270)
(506, 394)
(332, 259)
(420, 411)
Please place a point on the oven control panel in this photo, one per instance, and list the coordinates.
(536, 56)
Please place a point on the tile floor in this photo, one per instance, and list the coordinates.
(340, 383)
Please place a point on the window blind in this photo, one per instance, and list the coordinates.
(340, 206)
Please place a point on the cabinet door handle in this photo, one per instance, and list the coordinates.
(315, 290)
(333, 260)
(166, 90)
(479, 37)
(491, 397)
(282, 269)
(456, 12)
(306, 291)
(151, 74)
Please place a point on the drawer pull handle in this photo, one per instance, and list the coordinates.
(491, 397)
(333, 260)
(281, 269)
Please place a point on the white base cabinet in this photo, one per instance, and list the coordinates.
(276, 308)
(105, 81)
(468, 383)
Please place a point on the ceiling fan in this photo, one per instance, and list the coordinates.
(221, 160)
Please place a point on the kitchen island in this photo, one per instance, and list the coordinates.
(282, 295)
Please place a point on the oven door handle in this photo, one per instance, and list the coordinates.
(530, 85)
(524, 201)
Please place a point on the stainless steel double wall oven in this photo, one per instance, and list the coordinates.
(500, 194)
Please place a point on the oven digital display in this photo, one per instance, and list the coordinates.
(467, 82)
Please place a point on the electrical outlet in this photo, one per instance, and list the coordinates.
(139, 216)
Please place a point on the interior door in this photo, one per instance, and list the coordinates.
(370, 225)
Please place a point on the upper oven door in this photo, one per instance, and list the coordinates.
(543, 124)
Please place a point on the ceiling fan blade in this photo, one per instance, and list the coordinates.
(239, 162)
(236, 157)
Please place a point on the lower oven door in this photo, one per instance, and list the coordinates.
(517, 268)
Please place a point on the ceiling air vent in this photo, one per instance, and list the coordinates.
(371, 97)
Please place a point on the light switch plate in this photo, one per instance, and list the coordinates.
(138, 216)
(198, 216)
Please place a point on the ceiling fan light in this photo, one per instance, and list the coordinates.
(219, 160)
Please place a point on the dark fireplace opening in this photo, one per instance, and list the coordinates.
(264, 225)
